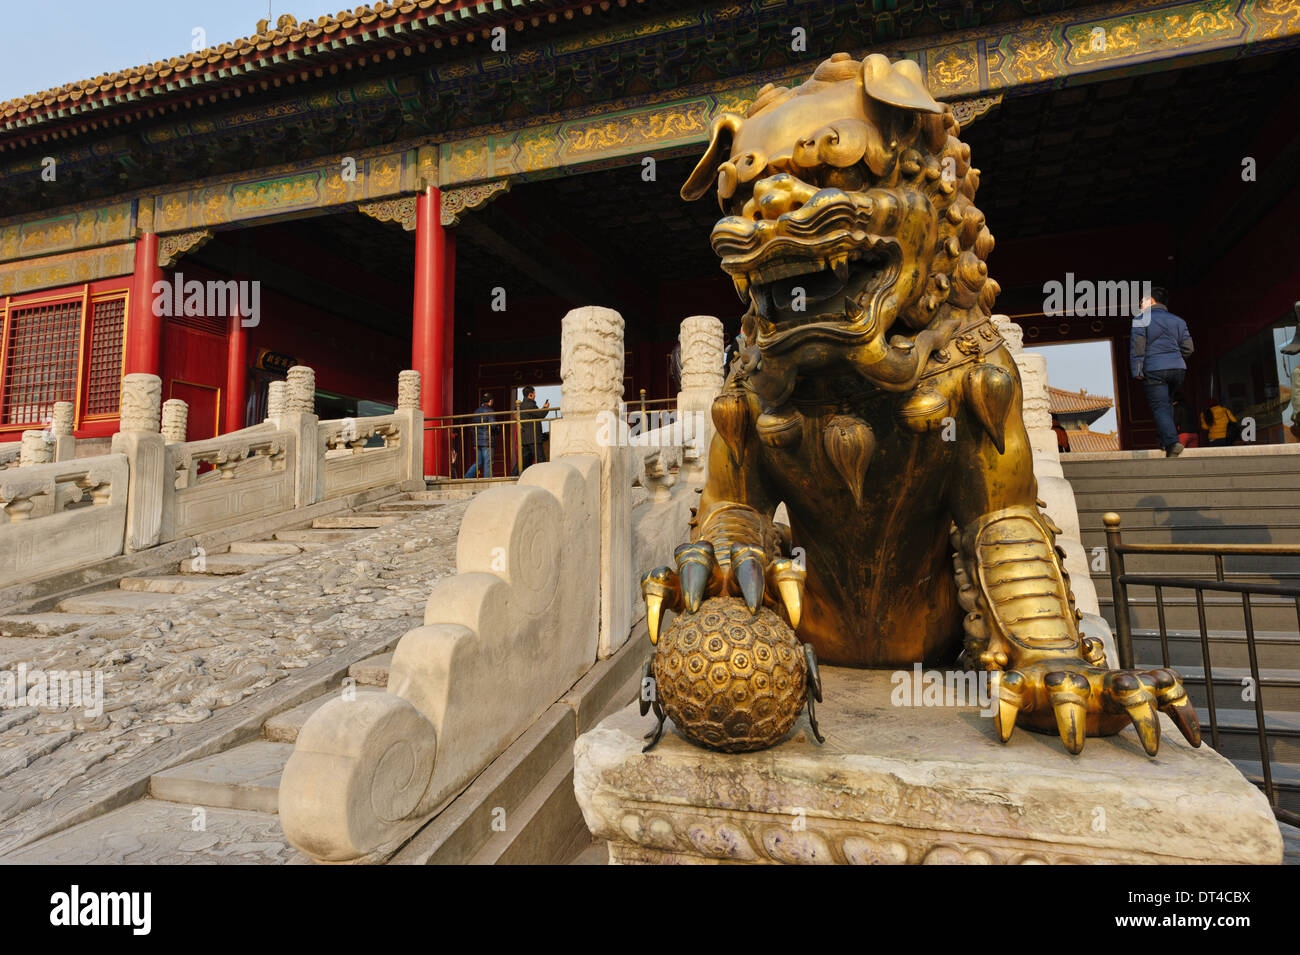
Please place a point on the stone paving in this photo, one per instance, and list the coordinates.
(190, 658)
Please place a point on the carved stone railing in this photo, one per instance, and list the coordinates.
(361, 453)
(170, 488)
(61, 515)
(546, 584)
(218, 481)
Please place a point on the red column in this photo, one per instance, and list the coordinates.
(449, 326)
(236, 373)
(427, 329)
(143, 327)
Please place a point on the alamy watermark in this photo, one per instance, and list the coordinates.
(212, 299)
(654, 429)
(71, 689)
(1088, 299)
(917, 687)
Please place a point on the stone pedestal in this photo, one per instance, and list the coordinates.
(896, 784)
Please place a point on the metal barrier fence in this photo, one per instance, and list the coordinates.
(1121, 580)
(460, 436)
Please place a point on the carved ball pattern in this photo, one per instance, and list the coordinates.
(728, 680)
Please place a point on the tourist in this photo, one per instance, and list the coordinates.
(1218, 421)
(1160, 344)
(1184, 421)
(530, 417)
(1295, 401)
(1062, 438)
(482, 467)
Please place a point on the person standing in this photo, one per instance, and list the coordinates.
(530, 418)
(482, 420)
(1157, 351)
(1062, 438)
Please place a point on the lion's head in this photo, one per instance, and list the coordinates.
(850, 229)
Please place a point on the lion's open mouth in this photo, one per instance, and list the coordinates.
(824, 290)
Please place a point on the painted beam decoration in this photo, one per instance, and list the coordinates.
(981, 64)
(368, 175)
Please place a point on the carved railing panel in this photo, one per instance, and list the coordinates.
(361, 453)
(59, 516)
(240, 476)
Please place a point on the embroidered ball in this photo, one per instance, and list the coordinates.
(728, 680)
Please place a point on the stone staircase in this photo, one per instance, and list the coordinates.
(1209, 496)
(209, 568)
(221, 809)
(221, 806)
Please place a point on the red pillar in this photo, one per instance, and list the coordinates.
(449, 326)
(427, 329)
(143, 327)
(236, 373)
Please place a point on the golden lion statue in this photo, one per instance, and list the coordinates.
(873, 396)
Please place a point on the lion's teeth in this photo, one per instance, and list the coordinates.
(840, 266)
(742, 286)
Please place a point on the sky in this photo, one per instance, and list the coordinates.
(1076, 365)
(44, 44)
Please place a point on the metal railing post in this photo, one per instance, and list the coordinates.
(1119, 590)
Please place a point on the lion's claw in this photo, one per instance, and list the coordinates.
(746, 573)
(1079, 699)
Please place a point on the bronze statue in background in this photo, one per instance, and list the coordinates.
(874, 396)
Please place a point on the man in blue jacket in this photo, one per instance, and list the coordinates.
(1160, 343)
(482, 439)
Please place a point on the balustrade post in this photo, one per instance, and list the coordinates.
(408, 407)
(591, 367)
(1119, 591)
(175, 420)
(299, 416)
(37, 448)
(65, 445)
(139, 438)
(703, 349)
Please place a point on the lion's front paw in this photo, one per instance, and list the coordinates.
(746, 573)
(1081, 699)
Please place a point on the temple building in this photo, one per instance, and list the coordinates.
(1076, 410)
(434, 184)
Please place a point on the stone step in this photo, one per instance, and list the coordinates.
(246, 777)
(1218, 466)
(114, 601)
(372, 671)
(597, 853)
(1279, 689)
(546, 827)
(395, 506)
(1286, 780)
(151, 831)
(1208, 531)
(1155, 512)
(284, 727)
(269, 548)
(315, 535)
(167, 584)
(45, 624)
(1223, 612)
(225, 565)
(1122, 498)
(1275, 650)
(1239, 735)
(440, 495)
(355, 521)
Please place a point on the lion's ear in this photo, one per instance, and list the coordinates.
(898, 84)
(721, 134)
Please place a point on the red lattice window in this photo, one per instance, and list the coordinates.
(40, 361)
(104, 374)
